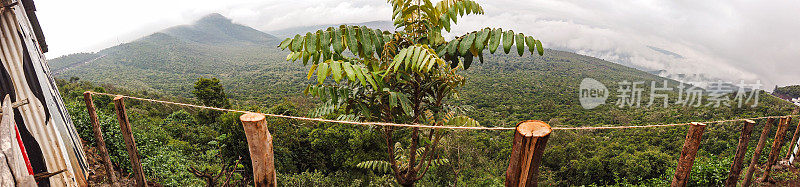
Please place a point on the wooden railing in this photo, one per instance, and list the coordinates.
(530, 140)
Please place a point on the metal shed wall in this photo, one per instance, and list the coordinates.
(45, 117)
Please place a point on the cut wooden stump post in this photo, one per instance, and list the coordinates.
(689, 151)
(741, 150)
(776, 148)
(530, 139)
(130, 143)
(748, 176)
(98, 136)
(260, 143)
(794, 139)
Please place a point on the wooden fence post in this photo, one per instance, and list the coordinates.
(748, 176)
(794, 151)
(130, 143)
(776, 147)
(530, 139)
(689, 151)
(794, 139)
(260, 143)
(741, 150)
(98, 136)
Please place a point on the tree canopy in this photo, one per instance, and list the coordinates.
(403, 76)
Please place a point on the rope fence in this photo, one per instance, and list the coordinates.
(426, 126)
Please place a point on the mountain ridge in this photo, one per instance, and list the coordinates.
(217, 29)
(250, 65)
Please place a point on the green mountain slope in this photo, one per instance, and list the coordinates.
(246, 60)
(252, 68)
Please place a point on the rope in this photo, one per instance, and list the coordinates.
(310, 119)
(428, 126)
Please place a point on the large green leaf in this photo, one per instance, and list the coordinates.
(336, 70)
(348, 70)
(352, 40)
(322, 72)
(366, 41)
(297, 43)
(453, 15)
(325, 40)
(370, 78)
(531, 43)
(520, 43)
(337, 41)
(539, 47)
(508, 41)
(311, 71)
(466, 43)
(378, 42)
(311, 43)
(314, 58)
(452, 46)
(494, 41)
(359, 74)
(480, 41)
(285, 43)
(414, 57)
(306, 56)
(468, 61)
(446, 24)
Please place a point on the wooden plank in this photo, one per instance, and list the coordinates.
(748, 176)
(12, 148)
(530, 140)
(688, 153)
(6, 143)
(776, 148)
(259, 141)
(98, 136)
(130, 143)
(741, 150)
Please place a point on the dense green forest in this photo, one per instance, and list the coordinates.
(172, 139)
(791, 91)
(501, 91)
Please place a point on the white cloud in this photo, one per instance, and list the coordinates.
(729, 39)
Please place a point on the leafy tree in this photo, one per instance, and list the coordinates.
(210, 93)
(403, 76)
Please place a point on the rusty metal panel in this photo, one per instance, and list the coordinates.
(45, 117)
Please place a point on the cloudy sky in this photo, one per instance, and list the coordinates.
(728, 39)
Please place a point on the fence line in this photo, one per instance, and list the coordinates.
(427, 126)
(530, 139)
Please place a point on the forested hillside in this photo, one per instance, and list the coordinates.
(501, 91)
(791, 91)
(246, 60)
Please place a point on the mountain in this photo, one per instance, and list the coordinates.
(252, 68)
(169, 61)
(217, 29)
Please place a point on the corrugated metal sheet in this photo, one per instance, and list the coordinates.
(45, 117)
